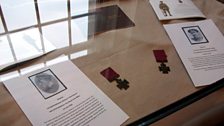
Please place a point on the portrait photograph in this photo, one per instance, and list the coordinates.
(195, 35)
(47, 83)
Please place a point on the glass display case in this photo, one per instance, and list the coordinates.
(95, 35)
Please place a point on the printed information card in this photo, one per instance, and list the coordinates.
(61, 95)
(175, 9)
(200, 46)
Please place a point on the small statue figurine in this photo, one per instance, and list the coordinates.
(164, 8)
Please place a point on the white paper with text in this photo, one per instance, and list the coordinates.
(62, 95)
(200, 46)
(175, 9)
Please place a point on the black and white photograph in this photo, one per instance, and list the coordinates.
(195, 35)
(47, 83)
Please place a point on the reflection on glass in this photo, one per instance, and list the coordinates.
(52, 9)
(79, 29)
(1, 26)
(28, 44)
(57, 34)
(9, 76)
(5, 51)
(31, 68)
(19, 13)
(79, 7)
(25, 45)
(57, 60)
(79, 54)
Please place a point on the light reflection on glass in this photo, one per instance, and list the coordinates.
(19, 13)
(79, 29)
(57, 60)
(28, 44)
(5, 51)
(9, 75)
(57, 34)
(1, 26)
(52, 9)
(79, 7)
(31, 68)
(42, 65)
(79, 54)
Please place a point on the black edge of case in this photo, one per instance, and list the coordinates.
(180, 104)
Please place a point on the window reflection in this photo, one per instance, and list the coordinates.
(57, 60)
(79, 54)
(5, 51)
(28, 44)
(79, 28)
(23, 40)
(9, 75)
(57, 34)
(19, 13)
(1, 26)
(52, 10)
(26, 41)
(79, 7)
(31, 68)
